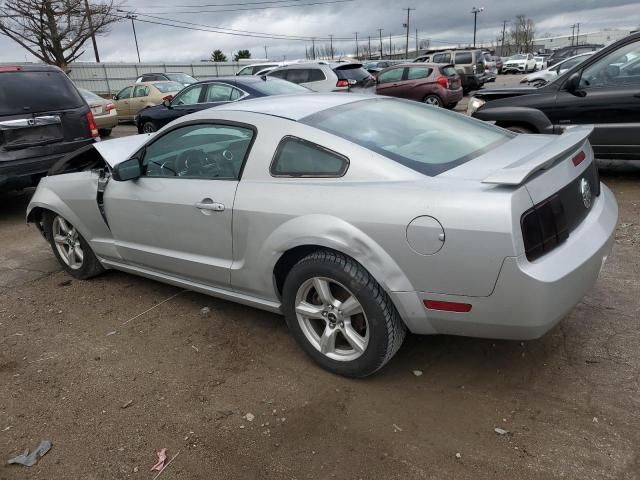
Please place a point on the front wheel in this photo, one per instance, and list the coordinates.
(433, 100)
(149, 127)
(104, 132)
(340, 315)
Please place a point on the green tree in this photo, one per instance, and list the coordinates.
(218, 56)
(241, 54)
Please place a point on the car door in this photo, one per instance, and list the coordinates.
(389, 82)
(123, 102)
(416, 83)
(608, 96)
(176, 218)
(218, 93)
(139, 99)
(189, 100)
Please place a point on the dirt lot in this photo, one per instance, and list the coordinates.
(73, 354)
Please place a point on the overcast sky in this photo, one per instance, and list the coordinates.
(440, 21)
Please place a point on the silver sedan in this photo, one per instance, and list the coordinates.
(359, 218)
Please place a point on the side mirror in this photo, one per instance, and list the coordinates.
(166, 103)
(127, 170)
(573, 83)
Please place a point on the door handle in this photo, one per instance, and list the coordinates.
(208, 204)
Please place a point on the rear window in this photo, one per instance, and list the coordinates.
(166, 87)
(449, 71)
(275, 86)
(463, 57)
(181, 78)
(351, 73)
(425, 139)
(89, 96)
(27, 92)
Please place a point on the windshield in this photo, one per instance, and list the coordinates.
(166, 87)
(426, 139)
(518, 57)
(182, 78)
(30, 92)
(275, 86)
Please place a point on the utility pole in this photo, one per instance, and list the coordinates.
(313, 48)
(135, 37)
(475, 11)
(504, 28)
(357, 48)
(573, 31)
(389, 45)
(93, 33)
(406, 48)
(416, 42)
(380, 33)
(369, 51)
(266, 52)
(578, 34)
(331, 45)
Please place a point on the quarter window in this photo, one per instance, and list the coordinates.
(393, 75)
(416, 73)
(209, 151)
(218, 92)
(300, 158)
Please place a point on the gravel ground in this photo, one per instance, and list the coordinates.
(74, 354)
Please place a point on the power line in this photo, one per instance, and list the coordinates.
(224, 4)
(179, 12)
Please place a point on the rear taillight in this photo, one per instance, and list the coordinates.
(447, 306)
(579, 158)
(109, 106)
(10, 69)
(168, 97)
(93, 128)
(342, 83)
(444, 81)
(544, 227)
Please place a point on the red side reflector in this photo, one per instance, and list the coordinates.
(93, 128)
(447, 306)
(342, 83)
(577, 160)
(10, 69)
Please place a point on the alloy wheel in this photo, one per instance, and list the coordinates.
(332, 319)
(148, 127)
(432, 100)
(67, 242)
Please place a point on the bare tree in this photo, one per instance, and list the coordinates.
(54, 31)
(521, 34)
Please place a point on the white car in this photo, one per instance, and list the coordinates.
(520, 63)
(326, 77)
(545, 76)
(541, 63)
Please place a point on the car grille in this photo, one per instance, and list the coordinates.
(514, 65)
(550, 222)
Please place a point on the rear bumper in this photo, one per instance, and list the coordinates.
(452, 96)
(529, 298)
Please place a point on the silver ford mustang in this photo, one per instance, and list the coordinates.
(356, 217)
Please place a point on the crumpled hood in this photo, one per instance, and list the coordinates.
(120, 149)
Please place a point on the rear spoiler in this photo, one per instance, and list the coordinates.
(569, 142)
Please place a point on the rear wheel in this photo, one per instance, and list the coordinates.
(340, 315)
(451, 106)
(104, 132)
(434, 100)
(70, 248)
(149, 127)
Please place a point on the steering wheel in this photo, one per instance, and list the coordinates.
(191, 163)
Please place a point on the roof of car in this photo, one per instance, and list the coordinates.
(34, 68)
(293, 107)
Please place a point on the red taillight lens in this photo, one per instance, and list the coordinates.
(579, 158)
(447, 306)
(444, 81)
(342, 83)
(167, 97)
(93, 128)
(10, 69)
(109, 106)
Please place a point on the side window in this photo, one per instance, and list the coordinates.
(236, 94)
(298, 75)
(418, 72)
(614, 69)
(316, 75)
(463, 58)
(218, 92)
(393, 75)
(279, 74)
(299, 158)
(141, 91)
(124, 93)
(442, 58)
(199, 151)
(190, 96)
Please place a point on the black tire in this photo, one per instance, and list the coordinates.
(386, 329)
(90, 264)
(451, 106)
(434, 100)
(149, 127)
(104, 132)
(519, 129)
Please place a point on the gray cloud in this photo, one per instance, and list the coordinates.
(439, 21)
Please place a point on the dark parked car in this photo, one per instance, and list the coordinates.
(604, 91)
(42, 118)
(210, 93)
(571, 51)
(179, 77)
(430, 83)
(376, 67)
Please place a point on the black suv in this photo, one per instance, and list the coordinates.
(42, 118)
(604, 91)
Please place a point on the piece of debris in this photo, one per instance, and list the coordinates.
(241, 426)
(397, 428)
(500, 431)
(417, 373)
(168, 463)
(249, 417)
(111, 333)
(162, 456)
(126, 404)
(6, 429)
(30, 459)
(195, 348)
(65, 283)
(458, 455)
(135, 469)
(595, 420)
(205, 311)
